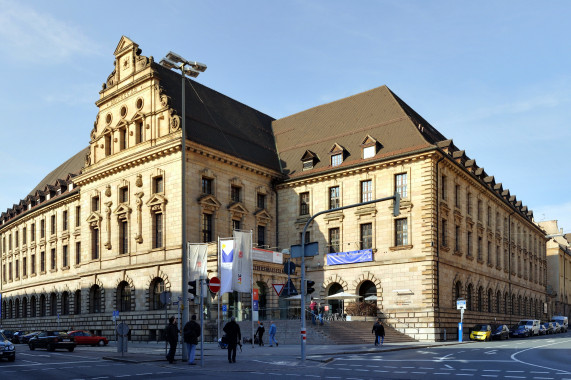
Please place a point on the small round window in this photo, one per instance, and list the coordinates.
(123, 111)
(139, 103)
(108, 118)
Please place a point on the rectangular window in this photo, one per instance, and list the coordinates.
(17, 269)
(42, 262)
(77, 216)
(123, 237)
(307, 237)
(334, 197)
(95, 204)
(367, 236)
(261, 201)
(53, 259)
(444, 190)
(25, 235)
(489, 216)
(369, 152)
(236, 224)
(108, 144)
(457, 195)
(366, 190)
(489, 253)
(336, 159)
(77, 252)
(235, 193)
(469, 244)
(140, 132)
(498, 257)
(33, 264)
(457, 239)
(304, 203)
(94, 244)
(444, 234)
(42, 228)
(124, 194)
(24, 266)
(4, 273)
(469, 203)
(33, 232)
(158, 185)
(158, 231)
(9, 242)
(401, 184)
(10, 272)
(17, 238)
(334, 241)
(64, 257)
(480, 257)
(64, 220)
(123, 136)
(53, 224)
(261, 236)
(401, 232)
(206, 185)
(479, 210)
(207, 232)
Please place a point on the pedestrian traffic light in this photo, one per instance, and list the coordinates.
(309, 286)
(396, 204)
(192, 288)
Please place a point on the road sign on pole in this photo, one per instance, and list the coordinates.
(214, 285)
(278, 288)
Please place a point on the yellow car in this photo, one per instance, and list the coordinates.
(481, 332)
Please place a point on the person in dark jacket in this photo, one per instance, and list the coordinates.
(234, 336)
(260, 333)
(191, 332)
(172, 337)
(379, 331)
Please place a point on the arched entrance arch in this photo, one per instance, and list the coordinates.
(335, 306)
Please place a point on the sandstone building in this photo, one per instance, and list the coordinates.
(103, 231)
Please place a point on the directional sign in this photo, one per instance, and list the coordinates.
(310, 249)
(278, 288)
(214, 285)
(461, 304)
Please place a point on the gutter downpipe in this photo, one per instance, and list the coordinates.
(510, 265)
(438, 242)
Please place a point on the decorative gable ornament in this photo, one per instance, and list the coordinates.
(208, 202)
(157, 203)
(94, 219)
(262, 216)
(237, 210)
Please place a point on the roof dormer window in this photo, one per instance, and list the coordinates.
(369, 152)
(370, 147)
(309, 159)
(336, 159)
(338, 154)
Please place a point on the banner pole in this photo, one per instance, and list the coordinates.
(219, 293)
(252, 284)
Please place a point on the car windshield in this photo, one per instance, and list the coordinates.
(480, 328)
(499, 328)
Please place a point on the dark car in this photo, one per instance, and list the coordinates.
(84, 337)
(7, 348)
(25, 339)
(52, 340)
(549, 328)
(17, 337)
(500, 332)
(519, 331)
(9, 334)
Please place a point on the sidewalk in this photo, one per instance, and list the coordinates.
(289, 355)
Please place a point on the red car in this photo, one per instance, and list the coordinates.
(84, 337)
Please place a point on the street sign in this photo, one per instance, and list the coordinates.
(310, 249)
(278, 288)
(461, 304)
(255, 308)
(225, 308)
(214, 285)
(289, 267)
(289, 289)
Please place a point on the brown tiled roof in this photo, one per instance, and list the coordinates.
(378, 113)
(220, 122)
(71, 166)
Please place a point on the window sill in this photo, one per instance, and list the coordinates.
(401, 247)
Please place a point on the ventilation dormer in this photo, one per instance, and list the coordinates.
(370, 147)
(338, 154)
(309, 160)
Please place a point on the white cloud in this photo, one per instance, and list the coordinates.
(27, 35)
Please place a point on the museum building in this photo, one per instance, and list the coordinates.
(103, 231)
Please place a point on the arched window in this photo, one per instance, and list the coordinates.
(77, 302)
(469, 294)
(33, 307)
(95, 299)
(490, 301)
(124, 296)
(157, 287)
(65, 303)
(480, 299)
(4, 309)
(10, 309)
(25, 307)
(506, 303)
(498, 302)
(43, 305)
(17, 308)
(53, 304)
(457, 292)
(514, 309)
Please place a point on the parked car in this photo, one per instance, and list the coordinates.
(531, 324)
(52, 340)
(84, 337)
(500, 332)
(542, 330)
(519, 331)
(556, 327)
(562, 320)
(549, 328)
(7, 333)
(17, 337)
(481, 332)
(7, 348)
(25, 339)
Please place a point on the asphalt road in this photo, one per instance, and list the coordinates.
(538, 358)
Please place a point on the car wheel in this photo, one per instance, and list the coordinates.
(71, 349)
(32, 347)
(101, 343)
(12, 358)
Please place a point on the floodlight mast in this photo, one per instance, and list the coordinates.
(175, 61)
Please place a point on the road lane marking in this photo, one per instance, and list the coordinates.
(513, 357)
(489, 375)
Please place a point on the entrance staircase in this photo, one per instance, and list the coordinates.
(355, 332)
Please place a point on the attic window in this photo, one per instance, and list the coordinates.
(139, 103)
(123, 111)
(308, 165)
(336, 159)
(369, 151)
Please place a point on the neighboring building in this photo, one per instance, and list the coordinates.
(103, 231)
(558, 270)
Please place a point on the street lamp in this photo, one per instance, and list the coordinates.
(192, 69)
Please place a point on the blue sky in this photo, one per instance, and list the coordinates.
(494, 76)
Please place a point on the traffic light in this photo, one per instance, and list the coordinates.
(192, 288)
(309, 286)
(396, 204)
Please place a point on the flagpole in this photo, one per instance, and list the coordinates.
(219, 293)
(252, 283)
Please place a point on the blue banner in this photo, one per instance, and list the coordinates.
(350, 257)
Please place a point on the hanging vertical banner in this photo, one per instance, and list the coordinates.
(242, 264)
(226, 250)
(197, 261)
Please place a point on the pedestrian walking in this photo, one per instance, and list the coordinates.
(321, 311)
(379, 331)
(172, 338)
(191, 332)
(260, 333)
(313, 308)
(273, 331)
(234, 336)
